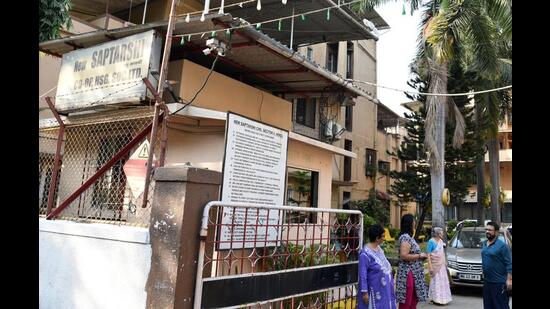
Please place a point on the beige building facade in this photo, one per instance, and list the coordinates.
(371, 130)
(195, 136)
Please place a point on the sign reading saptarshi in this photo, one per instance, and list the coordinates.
(108, 73)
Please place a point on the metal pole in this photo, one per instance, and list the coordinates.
(130, 13)
(197, 298)
(144, 12)
(164, 121)
(160, 90)
(107, 15)
(151, 153)
(292, 28)
(164, 138)
(57, 160)
(167, 47)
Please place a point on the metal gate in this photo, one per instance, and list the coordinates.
(277, 257)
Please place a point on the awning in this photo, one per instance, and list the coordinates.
(343, 24)
(88, 10)
(254, 58)
(388, 118)
(343, 183)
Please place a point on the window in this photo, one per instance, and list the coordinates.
(370, 162)
(347, 161)
(349, 118)
(290, 200)
(306, 110)
(384, 167)
(309, 53)
(332, 57)
(464, 211)
(451, 213)
(468, 239)
(349, 60)
(346, 200)
(302, 186)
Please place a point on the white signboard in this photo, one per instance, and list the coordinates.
(254, 171)
(108, 73)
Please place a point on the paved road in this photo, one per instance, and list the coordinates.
(463, 297)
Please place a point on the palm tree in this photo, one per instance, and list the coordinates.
(492, 107)
(453, 29)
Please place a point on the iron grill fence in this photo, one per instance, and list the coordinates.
(89, 142)
(244, 240)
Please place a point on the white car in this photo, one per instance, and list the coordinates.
(464, 255)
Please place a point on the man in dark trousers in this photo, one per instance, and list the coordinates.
(497, 269)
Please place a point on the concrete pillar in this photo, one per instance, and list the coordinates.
(180, 196)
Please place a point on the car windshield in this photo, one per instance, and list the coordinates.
(471, 239)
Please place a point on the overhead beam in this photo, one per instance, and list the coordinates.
(302, 70)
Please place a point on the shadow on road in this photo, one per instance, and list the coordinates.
(463, 297)
(467, 291)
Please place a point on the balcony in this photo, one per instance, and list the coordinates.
(505, 155)
(471, 197)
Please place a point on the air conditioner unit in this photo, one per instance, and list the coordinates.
(337, 131)
(348, 101)
(328, 129)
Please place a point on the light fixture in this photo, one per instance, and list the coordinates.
(370, 25)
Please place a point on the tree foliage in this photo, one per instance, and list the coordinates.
(413, 184)
(53, 15)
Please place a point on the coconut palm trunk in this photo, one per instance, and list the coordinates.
(480, 170)
(494, 172)
(480, 173)
(435, 140)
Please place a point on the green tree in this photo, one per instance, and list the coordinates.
(53, 15)
(463, 30)
(413, 184)
(373, 207)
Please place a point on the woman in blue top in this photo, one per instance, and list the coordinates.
(376, 289)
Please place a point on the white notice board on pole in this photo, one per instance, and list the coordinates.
(254, 171)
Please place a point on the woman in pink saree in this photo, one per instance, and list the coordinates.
(439, 291)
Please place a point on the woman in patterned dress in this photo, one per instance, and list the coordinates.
(376, 289)
(410, 282)
(440, 291)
